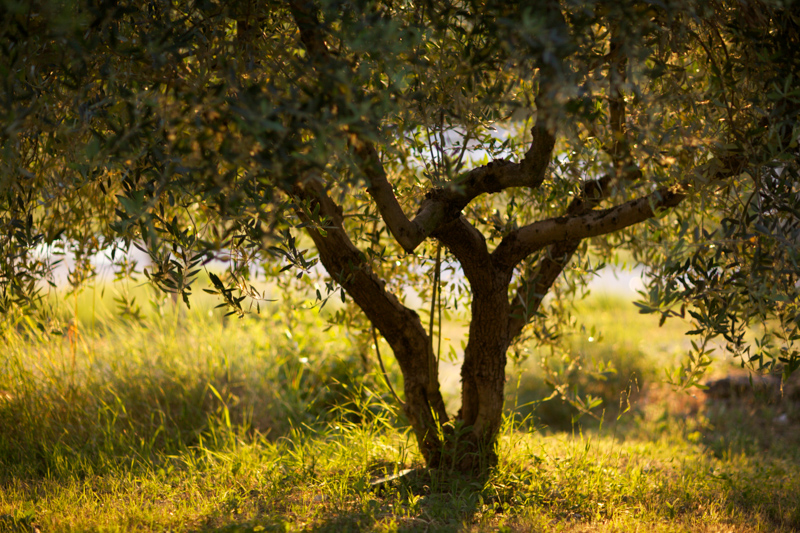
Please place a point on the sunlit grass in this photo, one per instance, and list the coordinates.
(188, 421)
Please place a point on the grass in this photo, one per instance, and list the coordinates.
(614, 354)
(192, 422)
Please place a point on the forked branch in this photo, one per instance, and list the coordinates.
(468, 245)
(444, 204)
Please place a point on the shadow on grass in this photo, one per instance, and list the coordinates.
(763, 438)
(750, 445)
(421, 501)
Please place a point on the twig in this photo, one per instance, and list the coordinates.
(383, 369)
(436, 288)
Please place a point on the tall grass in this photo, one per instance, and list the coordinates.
(137, 392)
(188, 421)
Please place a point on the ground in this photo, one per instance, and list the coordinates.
(190, 422)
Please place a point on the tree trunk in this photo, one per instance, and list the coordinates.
(483, 376)
(467, 443)
(399, 325)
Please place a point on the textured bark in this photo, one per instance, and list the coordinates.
(528, 239)
(483, 374)
(399, 325)
(483, 370)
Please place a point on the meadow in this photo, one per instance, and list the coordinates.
(184, 420)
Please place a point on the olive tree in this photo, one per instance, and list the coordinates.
(511, 143)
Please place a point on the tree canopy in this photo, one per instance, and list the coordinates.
(515, 144)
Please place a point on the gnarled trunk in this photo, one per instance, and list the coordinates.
(468, 441)
(483, 375)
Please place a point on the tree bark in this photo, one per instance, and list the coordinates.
(483, 374)
(472, 446)
(399, 325)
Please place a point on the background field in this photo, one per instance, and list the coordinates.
(187, 421)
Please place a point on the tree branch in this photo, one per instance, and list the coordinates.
(405, 232)
(444, 204)
(536, 283)
(400, 325)
(620, 149)
(306, 16)
(346, 263)
(468, 245)
(528, 239)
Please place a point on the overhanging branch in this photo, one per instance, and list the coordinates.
(528, 239)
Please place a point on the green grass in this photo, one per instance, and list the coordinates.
(191, 422)
(614, 354)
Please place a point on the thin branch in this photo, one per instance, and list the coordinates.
(306, 15)
(432, 371)
(439, 336)
(460, 161)
(536, 284)
(620, 150)
(721, 76)
(383, 369)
